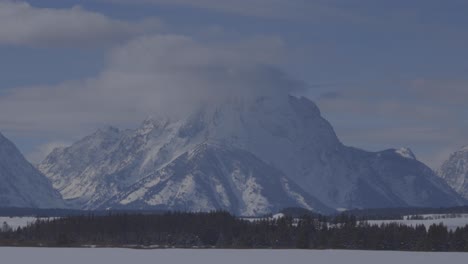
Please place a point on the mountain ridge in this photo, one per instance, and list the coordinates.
(288, 134)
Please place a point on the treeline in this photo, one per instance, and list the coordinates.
(362, 214)
(222, 230)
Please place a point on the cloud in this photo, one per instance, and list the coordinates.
(442, 91)
(330, 95)
(364, 13)
(261, 8)
(23, 24)
(150, 75)
(275, 9)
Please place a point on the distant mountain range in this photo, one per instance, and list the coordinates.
(246, 156)
(249, 157)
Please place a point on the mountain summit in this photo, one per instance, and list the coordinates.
(247, 156)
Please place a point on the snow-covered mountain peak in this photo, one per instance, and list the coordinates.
(464, 149)
(283, 134)
(152, 123)
(405, 153)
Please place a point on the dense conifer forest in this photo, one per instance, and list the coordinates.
(223, 230)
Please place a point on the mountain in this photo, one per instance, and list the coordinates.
(22, 185)
(112, 167)
(455, 171)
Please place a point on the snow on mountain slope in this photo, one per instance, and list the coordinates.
(212, 177)
(402, 181)
(455, 171)
(406, 153)
(287, 133)
(22, 185)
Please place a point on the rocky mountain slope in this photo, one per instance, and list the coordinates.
(455, 171)
(213, 177)
(22, 185)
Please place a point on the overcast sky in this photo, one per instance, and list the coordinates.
(384, 73)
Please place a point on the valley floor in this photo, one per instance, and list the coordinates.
(176, 256)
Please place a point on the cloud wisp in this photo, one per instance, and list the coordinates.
(300, 10)
(23, 24)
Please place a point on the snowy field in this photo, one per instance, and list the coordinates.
(184, 256)
(452, 222)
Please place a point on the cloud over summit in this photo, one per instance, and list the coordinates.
(151, 75)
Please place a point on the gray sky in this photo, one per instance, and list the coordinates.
(384, 73)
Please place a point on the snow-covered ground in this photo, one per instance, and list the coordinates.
(451, 221)
(15, 222)
(184, 256)
(436, 216)
(273, 217)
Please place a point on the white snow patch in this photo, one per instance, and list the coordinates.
(187, 186)
(277, 216)
(299, 198)
(132, 197)
(15, 222)
(164, 195)
(221, 191)
(254, 202)
(465, 148)
(405, 153)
